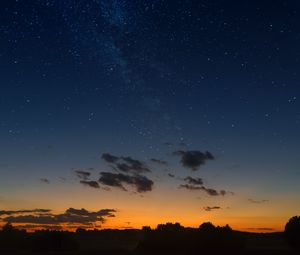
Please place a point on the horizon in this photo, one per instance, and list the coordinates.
(122, 114)
(98, 228)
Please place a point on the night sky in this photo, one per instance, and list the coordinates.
(124, 113)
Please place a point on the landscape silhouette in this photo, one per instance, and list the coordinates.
(169, 238)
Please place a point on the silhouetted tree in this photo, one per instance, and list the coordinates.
(292, 232)
(11, 239)
(146, 228)
(169, 227)
(207, 227)
(174, 239)
(227, 228)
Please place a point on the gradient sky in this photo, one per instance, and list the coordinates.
(165, 80)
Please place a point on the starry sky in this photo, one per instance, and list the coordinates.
(119, 114)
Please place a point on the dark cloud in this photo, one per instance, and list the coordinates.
(190, 187)
(44, 180)
(210, 208)
(209, 191)
(194, 159)
(92, 184)
(125, 164)
(159, 161)
(171, 175)
(193, 181)
(193, 184)
(123, 167)
(197, 184)
(3, 212)
(253, 201)
(71, 215)
(139, 182)
(212, 192)
(136, 165)
(142, 183)
(107, 212)
(109, 158)
(84, 175)
(84, 212)
(112, 179)
(39, 226)
(40, 219)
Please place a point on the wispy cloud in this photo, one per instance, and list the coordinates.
(159, 161)
(195, 184)
(44, 180)
(84, 175)
(193, 181)
(211, 208)
(253, 201)
(92, 184)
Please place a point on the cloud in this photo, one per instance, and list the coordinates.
(71, 215)
(210, 208)
(84, 175)
(171, 175)
(159, 161)
(136, 165)
(109, 158)
(3, 212)
(139, 182)
(209, 191)
(92, 184)
(84, 212)
(213, 192)
(123, 167)
(107, 212)
(62, 179)
(40, 219)
(190, 187)
(193, 181)
(194, 159)
(125, 164)
(253, 201)
(38, 226)
(44, 180)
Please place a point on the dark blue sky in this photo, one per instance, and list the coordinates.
(146, 78)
